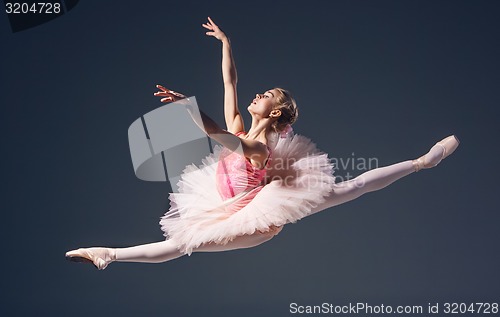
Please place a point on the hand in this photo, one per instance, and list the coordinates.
(170, 95)
(216, 32)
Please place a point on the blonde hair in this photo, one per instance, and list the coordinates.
(288, 107)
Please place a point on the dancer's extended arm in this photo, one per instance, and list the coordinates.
(234, 121)
(254, 150)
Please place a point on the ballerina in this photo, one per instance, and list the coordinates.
(255, 182)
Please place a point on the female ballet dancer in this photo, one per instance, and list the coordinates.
(255, 183)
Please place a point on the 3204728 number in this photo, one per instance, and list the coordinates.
(38, 7)
(462, 308)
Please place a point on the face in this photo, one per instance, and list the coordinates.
(263, 104)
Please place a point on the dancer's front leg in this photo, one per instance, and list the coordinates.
(369, 181)
(379, 178)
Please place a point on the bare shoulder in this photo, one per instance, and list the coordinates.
(256, 151)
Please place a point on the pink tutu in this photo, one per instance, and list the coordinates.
(228, 197)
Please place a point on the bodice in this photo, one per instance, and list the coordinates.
(235, 174)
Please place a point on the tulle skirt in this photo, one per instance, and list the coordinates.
(298, 178)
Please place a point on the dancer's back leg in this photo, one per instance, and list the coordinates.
(167, 250)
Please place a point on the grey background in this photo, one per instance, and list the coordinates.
(384, 79)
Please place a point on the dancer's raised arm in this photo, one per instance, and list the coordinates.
(234, 121)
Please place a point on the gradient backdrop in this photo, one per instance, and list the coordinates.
(373, 79)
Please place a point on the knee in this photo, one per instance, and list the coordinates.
(273, 231)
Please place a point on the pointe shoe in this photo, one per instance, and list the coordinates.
(100, 257)
(448, 145)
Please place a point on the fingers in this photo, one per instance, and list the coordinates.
(210, 25)
(163, 91)
(166, 91)
(169, 95)
(161, 87)
(167, 99)
(177, 94)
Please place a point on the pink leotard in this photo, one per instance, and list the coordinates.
(236, 175)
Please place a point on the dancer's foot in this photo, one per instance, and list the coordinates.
(100, 257)
(437, 153)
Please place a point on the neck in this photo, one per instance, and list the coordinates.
(259, 130)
